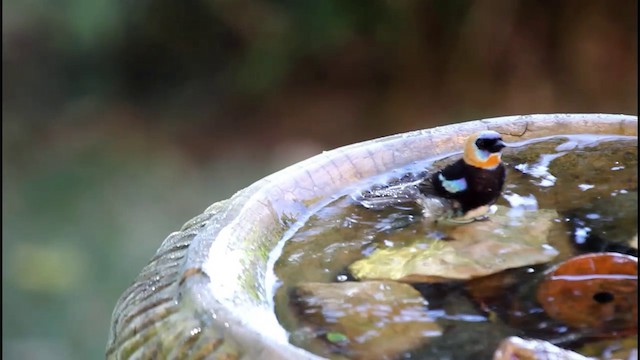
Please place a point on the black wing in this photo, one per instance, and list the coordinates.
(449, 182)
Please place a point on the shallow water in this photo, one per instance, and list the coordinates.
(590, 180)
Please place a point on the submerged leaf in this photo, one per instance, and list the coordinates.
(508, 239)
(367, 320)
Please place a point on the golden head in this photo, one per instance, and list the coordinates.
(483, 149)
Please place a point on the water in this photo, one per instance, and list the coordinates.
(590, 180)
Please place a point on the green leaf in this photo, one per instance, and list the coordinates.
(336, 337)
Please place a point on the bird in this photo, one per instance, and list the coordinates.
(459, 193)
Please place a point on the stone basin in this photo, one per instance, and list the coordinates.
(203, 294)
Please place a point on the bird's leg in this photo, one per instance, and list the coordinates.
(479, 214)
(482, 218)
(459, 220)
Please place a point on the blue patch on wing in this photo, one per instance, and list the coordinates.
(453, 186)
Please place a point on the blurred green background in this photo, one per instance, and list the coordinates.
(124, 119)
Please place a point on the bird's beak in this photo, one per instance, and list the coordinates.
(499, 145)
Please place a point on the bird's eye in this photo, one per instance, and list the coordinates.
(482, 143)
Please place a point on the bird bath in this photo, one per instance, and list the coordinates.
(204, 293)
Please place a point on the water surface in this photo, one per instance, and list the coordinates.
(590, 180)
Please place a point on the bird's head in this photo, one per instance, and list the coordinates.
(483, 149)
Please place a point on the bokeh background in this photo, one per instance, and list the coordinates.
(124, 119)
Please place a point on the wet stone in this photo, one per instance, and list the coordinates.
(366, 320)
(596, 292)
(508, 239)
(516, 348)
(625, 348)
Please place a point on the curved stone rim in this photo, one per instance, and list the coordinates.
(203, 294)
